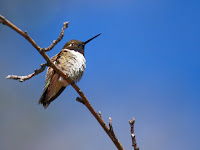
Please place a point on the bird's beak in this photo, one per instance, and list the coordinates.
(91, 39)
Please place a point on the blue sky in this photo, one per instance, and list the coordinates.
(144, 65)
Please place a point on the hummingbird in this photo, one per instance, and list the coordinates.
(72, 62)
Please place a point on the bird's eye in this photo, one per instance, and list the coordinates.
(72, 44)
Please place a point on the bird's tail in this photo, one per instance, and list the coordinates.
(44, 98)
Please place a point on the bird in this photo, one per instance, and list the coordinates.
(71, 61)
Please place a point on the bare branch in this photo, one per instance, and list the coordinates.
(65, 76)
(24, 34)
(111, 128)
(112, 133)
(23, 78)
(110, 124)
(134, 144)
(42, 52)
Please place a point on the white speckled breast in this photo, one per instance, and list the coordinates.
(74, 66)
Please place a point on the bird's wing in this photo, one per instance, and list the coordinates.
(50, 85)
(50, 71)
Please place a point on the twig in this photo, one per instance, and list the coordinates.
(134, 144)
(112, 133)
(49, 62)
(23, 78)
(78, 99)
(65, 25)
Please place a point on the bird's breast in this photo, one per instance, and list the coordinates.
(73, 64)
